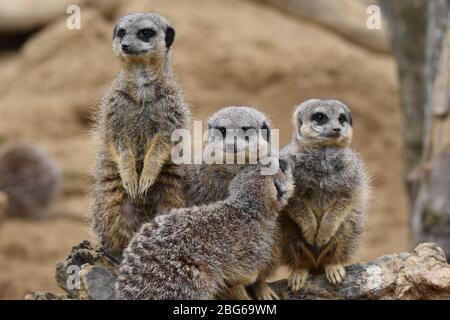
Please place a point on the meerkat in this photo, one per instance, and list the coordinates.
(322, 223)
(134, 175)
(29, 178)
(244, 132)
(207, 182)
(196, 253)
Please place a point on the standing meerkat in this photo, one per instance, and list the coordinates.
(30, 179)
(208, 183)
(134, 177)
(196, 253)
(322, 223)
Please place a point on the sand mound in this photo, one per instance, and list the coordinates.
(347, 18)
(27, 15)
(228, 53)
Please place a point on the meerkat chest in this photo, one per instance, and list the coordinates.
(325, 171)
(210, 183)
(321, 178)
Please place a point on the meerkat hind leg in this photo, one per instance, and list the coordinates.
(297, 279)
(263, 291)
(335, 273)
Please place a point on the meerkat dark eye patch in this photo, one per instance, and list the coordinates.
(285, 165)
(170, 36)
(320, 117)
(121, 33)
(146, 34)
(222, 130)
(280, 191)
(342, 118)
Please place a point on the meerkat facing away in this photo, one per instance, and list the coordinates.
(208, 183)
(196, 253)
(322, 223)
(29, 178)
(134, 177)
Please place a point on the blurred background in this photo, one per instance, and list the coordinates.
(268, 54)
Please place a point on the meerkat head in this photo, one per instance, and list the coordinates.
(240, 130)
(252, 191)
(142, 37)
(323, 123)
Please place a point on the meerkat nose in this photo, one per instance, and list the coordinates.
(337, 130)
(125, 47)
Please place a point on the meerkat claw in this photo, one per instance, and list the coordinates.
(297, 280)
(144, 184)
(266, 293)
(335, 273)
(269, 294)
(322, 241)
(131, 188)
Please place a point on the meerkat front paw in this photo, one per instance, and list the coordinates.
(297, 279)
(265, 292)
(130, 184)
(309, 236)
(321, 240)
(145, 182)
(335, 273)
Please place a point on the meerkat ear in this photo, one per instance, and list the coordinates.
(265, 126)
(300, 121)
(114, 32)
(350, 118)
(170, 36)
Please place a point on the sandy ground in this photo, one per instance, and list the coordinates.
(226, 53)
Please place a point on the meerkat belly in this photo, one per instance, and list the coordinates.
(316, 199)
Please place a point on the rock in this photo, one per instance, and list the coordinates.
(421, 274)
(20, 16)
(45, 295)
(87, 273)
(345, 17)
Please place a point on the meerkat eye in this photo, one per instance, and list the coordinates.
(146, 34)
(121, 32)
(320, 117)
(342, 118)
(222, 130)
